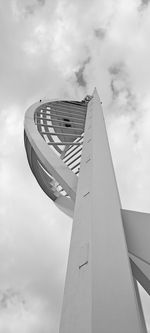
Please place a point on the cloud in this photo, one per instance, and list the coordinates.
(21, 312)
(100, 33)
(80, 73)
(143, 4)
(26, 8)
(10, 297)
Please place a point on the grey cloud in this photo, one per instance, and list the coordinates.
(144, 4)
(115, 69)
(80, 77)
(115, 91)
(117, 73)
(100, 33)
(120, 87)
(41, 2)
(80, 73)
(28, 8)
(11, 297)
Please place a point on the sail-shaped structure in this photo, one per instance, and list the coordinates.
(68, 152)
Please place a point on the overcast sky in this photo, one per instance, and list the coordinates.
(62, 49)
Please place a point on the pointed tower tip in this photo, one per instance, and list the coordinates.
(95, 93)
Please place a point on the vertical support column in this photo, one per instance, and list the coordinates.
(115, 306)
(99, 296)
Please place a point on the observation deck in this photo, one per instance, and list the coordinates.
(54, 131)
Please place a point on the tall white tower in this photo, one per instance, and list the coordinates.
(68, 152)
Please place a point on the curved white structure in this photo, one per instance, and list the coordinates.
(55, 160)
(110, 247)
